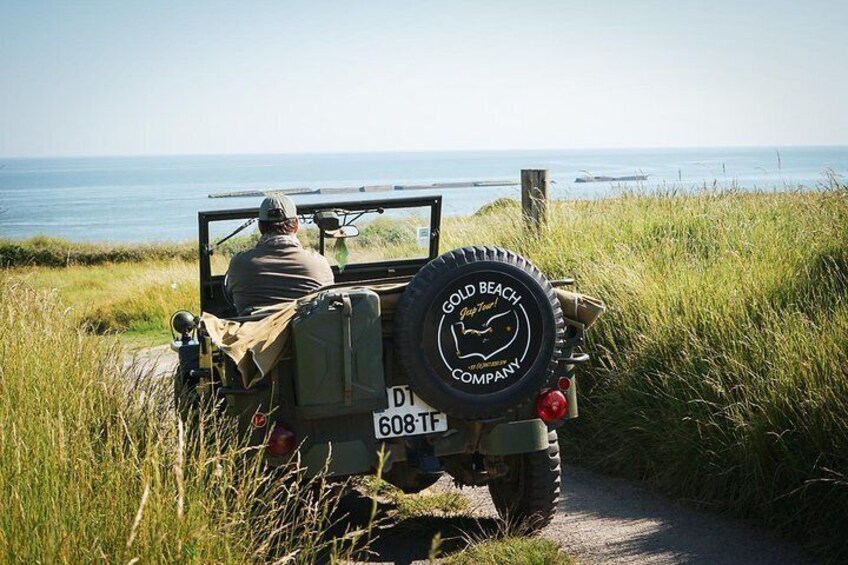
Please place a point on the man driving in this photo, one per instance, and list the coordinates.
(279, 268)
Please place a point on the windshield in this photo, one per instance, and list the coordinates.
(384, 234)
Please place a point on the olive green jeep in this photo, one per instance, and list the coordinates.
(460, 363)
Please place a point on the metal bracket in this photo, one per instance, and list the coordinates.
(578, 359)
(347, 315)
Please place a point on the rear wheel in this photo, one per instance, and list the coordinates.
(528, 494)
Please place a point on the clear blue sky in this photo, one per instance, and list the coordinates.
(102, 78)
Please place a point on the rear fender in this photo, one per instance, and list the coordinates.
(509, 438)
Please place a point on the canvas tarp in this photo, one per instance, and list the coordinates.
(257, 346)
(580, 307)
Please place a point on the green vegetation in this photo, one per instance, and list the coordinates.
(55, 252)
(425, 503)
(94, 467)
(134, 300)
(444, 503)
(130, 290)
(719, 372)
(511, 551)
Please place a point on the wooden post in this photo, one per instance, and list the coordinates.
(534, 197)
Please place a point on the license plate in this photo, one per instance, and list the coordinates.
(407, 415)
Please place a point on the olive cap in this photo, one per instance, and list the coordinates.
(277, 208)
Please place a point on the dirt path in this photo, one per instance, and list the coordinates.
(159, 360)
(600, 520)
(607, 520)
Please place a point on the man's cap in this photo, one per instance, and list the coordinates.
(277, 208)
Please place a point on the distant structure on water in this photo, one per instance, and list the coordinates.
(371, 188)
(592, 178)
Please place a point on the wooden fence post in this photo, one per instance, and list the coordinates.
(534, 197)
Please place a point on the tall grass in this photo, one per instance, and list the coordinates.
(720, 372)
(94, 465)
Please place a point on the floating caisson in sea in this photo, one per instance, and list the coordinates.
(592, 178)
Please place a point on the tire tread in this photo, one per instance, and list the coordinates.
(531, 503)
(407, 338)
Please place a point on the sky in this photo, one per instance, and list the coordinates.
(128, 78)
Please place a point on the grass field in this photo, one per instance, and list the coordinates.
(94, 466)
(133, 300)
(719, 372)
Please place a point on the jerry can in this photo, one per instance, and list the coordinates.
(338, 353)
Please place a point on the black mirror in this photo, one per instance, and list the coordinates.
(327, 220)
(183, 323)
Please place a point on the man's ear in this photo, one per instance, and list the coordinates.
(296, 224)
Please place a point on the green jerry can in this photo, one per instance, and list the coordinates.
(338, 350)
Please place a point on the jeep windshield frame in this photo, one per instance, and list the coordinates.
(213, 298)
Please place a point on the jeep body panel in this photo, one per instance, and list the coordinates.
(341, 365)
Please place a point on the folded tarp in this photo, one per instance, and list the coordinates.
(257, 346)
(580, 308)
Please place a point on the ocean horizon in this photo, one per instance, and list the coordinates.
(156, 198)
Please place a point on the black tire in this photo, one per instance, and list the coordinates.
(510, 348)
(528, 495)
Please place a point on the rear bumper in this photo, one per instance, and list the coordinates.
(358, 457)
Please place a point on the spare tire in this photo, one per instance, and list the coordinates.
(478, 332)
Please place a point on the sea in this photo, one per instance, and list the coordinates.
(156, 198)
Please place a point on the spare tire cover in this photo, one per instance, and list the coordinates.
(478, 332)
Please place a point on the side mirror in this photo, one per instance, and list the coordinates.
(327, 221)
(344, 232)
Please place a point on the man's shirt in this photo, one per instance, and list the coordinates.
(276, 270)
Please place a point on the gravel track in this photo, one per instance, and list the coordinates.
(608, 520)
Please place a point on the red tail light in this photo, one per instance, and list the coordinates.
(281, 442)
(551, 405)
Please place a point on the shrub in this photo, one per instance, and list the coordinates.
(55, 252)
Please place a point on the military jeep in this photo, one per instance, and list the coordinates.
(460, 363)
